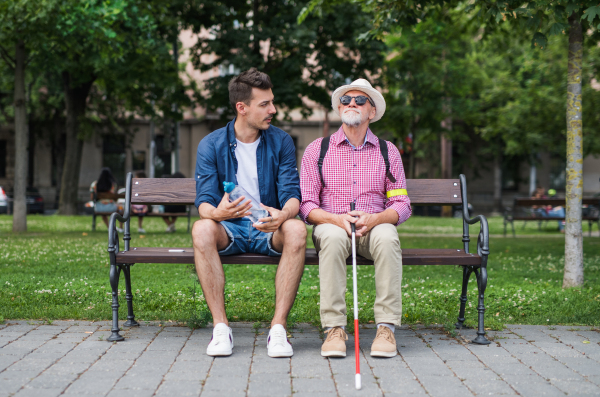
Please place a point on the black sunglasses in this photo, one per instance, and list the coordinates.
(360, 100)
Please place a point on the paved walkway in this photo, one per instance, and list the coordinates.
(74, 358)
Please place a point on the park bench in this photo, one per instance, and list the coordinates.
(97, 196)
(522, 210)
(183, 191)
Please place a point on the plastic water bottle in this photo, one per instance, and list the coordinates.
(236, 191)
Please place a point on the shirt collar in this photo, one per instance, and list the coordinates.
(231, 133)
(339, 137)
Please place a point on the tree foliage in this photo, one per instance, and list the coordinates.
(304, 61)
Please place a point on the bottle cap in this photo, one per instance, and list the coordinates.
(228, 186)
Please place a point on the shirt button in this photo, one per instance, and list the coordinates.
(355, 165)
(355, 182)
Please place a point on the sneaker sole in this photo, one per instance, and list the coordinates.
(333, 353)
(278, 355)
(219, 354)
(383, 354)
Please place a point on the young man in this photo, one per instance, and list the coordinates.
(261, 158)
(354, 169)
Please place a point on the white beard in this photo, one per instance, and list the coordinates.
(352, 117)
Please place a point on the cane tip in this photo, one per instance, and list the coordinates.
(357, 382)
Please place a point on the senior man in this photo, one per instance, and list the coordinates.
(250, 152)
(353, 165)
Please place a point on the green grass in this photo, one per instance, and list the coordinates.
(59, 269)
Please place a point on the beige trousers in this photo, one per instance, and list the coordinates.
(382, 246)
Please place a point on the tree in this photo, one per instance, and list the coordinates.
(304, 61)
(23, 24)
(541, 18)
(123, 46)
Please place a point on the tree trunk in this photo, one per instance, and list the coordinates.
(75, 102)
(573, 276)
(21, 138)
(498, 183)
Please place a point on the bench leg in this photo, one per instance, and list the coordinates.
(481, 275)
(512, 225)
(93, 222)
(467, 270)
(129, 297)
(115, 271)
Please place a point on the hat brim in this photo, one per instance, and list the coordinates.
(371, 92)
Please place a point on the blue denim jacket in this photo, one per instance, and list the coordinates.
(278, 179)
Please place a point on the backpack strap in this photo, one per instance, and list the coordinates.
(324, 148)
(384, 152)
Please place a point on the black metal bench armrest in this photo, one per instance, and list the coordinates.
(483, 239)
(113, 235)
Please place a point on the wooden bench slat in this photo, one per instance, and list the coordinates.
(410, 257)
(527, 202)
(182, 191)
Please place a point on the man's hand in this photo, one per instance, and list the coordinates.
(272, 222)
(364, 223)
(235, 209)
(344, 221)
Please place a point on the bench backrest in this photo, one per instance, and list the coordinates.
(526, 201)
(179, 191)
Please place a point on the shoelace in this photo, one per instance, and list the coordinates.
(221, 335)
(384, 332)
(278, 337)
(336, 332)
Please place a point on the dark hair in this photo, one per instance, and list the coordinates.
(105, 181)
(175, 175)
(240, 87)
(140, 174)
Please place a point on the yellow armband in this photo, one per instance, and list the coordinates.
(397, 192)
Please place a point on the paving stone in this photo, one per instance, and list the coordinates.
(94, 383)
(30, 392)
(400, 385)
(52, 381)
(449, 385)
(179, 388)
(488, 386)
(305, 385)
(130, 393)
(66, 367)
(577, 387)
(226, 383)
(583, 366)
(531, 385)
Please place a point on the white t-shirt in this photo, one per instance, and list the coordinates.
(247, 172)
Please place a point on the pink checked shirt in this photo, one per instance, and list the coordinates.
(352, 174)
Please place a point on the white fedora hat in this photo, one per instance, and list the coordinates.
(364, 86)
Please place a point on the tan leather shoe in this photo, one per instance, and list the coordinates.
(384, 344)
(335, 344)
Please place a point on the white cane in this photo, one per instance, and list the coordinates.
(357, 379)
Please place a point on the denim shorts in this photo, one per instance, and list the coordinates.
(244, 238)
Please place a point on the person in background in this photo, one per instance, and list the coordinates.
(140, 209)
(170, 220)
(106, 183)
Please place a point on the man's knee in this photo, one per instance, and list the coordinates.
(294, 233)
(205, 232)
(331, 235)
(385, 235)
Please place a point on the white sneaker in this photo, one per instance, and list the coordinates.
(278, 344)
(171, 228)
(141, 231)
(221, 343)
(120, 230)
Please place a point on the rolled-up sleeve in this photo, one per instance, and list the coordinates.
(288, 182)
(400, 203)
(310, 183)
(207, 181)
